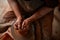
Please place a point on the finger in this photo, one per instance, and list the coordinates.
(19, 27)
(16, 27)
(23, 25)
(27, 27)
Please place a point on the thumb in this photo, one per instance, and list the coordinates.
(23, 25)
(19, 26)
(15, 26)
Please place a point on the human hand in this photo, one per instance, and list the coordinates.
(25, 24)
(26, 27)
(18, 23)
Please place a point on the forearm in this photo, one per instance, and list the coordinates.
(40, 13)
(15, 8)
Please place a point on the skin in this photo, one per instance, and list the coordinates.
(23, 24)
(59, 4)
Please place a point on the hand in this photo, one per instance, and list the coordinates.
(18, 23)
(25, 24)
(25, 31)
(26, 27)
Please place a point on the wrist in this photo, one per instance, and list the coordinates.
(19, 18)
(29, 20)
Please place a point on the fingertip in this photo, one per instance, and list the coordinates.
(15, 27)
(19, 27)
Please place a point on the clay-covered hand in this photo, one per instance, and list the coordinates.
(25, 24)
(26, 27)
(18, 23)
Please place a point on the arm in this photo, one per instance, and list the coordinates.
(15, 8)
(40, 13)
(17, 12)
